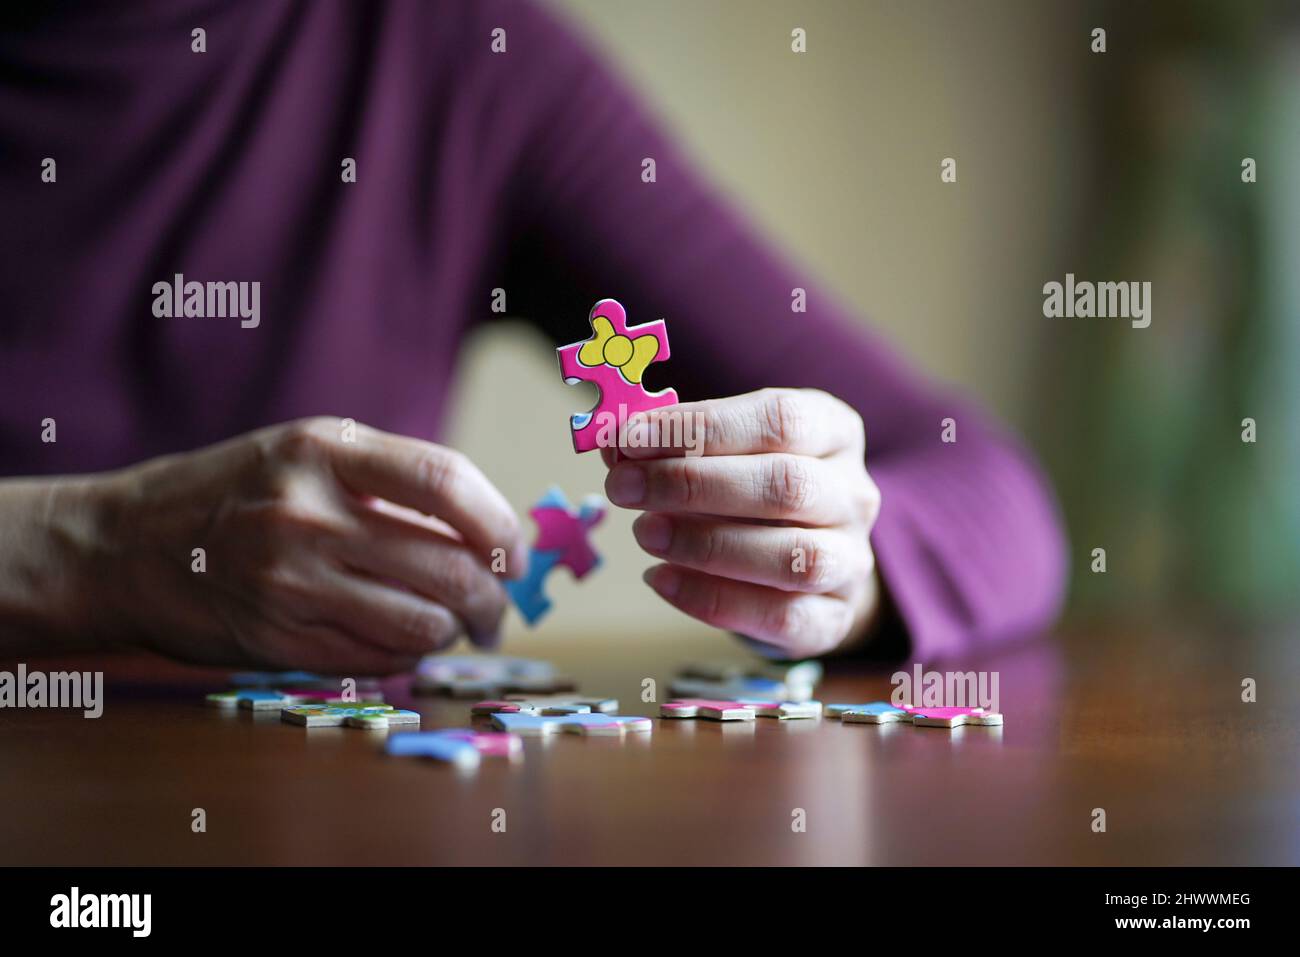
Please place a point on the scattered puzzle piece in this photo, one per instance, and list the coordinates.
(549, 705)
(427, 744)
(800, 673)
(880, 712)
(487, 676)
(732, 710)
(257, 699)
(272, 679)
(876, 712)
(706, 708)
(951, 717)
(460, 746)
(562, 534)
(614, 359)
(497, 744)
(372, 717)
(757, 689)
(602, 724)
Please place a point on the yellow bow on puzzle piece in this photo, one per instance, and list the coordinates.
(629, 356)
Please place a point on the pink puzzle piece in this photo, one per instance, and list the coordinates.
(739, 710)
(614, 359)
(953, 717)
(564, 530)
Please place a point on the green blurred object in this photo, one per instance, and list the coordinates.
(1147, 444)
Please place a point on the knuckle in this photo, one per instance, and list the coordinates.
(276, 584)
(819, 569)
(695, 546)
(460, 576)
(440, 471)
(710, 602)
(788, 620)
(692, 486)
(789, 486)
(855, 422)
(424, 626)
(701, 599)
(784, 419)
(305, 440)
(868, 501)
(294, 515)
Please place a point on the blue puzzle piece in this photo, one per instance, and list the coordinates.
(882, 711)
(526, 592)
(442, 747)
(562, 539)
(274, 679)
(731, 689)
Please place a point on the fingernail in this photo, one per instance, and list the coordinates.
(663, 579)
(626, 485)
(654, 532)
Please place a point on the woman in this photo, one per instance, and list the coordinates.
(377, 175)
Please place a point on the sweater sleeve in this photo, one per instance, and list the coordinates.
(969, 541)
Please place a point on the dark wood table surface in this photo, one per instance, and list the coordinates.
(1147, 724)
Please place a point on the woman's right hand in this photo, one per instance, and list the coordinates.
(344, 557)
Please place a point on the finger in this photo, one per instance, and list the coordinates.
(384, 616)
(799, 624)
(816, 561)
(790, 488)
(434, 480)
(387, 547)
(798, 421)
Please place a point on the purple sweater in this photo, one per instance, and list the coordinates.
(475, 170)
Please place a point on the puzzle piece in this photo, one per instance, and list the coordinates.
(731, 710)
(562, 534)
(602, 724)
(951, 717)
(487, 676)
(561, 528)
(370, 717)
(763, 681)
(460, 746)
(272, 679)
(614, 359)
(548, 704)
(257, 699)
(876, 712)
(880, 712)
(796, 673)
(757, 689)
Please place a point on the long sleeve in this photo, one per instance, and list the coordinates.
(969, 542)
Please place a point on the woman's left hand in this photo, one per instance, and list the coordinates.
(761, 508)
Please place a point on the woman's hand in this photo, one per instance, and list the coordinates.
(345, 557)
(763, 524)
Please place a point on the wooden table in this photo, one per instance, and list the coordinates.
(1149, 726)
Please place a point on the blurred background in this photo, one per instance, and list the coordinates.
(1122, 165)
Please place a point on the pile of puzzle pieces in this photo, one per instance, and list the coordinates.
(530, 698)
(316, 702)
